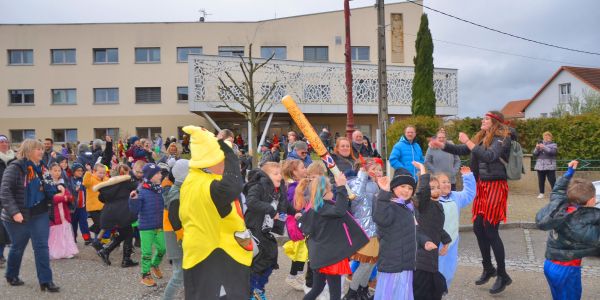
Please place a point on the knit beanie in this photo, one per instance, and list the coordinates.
(149, 171)
(402, 176)
(300, 145)
(180, 170)
(76, 166)
(204, 148)
(133, 139)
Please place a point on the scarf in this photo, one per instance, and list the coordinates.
(153, 187)
(403, 202)
(8, 156)
(34, 190)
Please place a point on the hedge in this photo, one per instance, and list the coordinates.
(576, 136)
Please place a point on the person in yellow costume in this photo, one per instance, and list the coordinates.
(217, 247)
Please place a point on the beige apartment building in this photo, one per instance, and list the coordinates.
(83, 81)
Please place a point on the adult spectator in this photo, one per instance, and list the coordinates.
(439, 161)
(104, 155)
(406, 151)
(325, 138)
(7, 155)
(269, 154)
(292, 138)
(49, 153)
(25, 214)
(358, 145)
(343, 156)
(488, 148)
(300, 152)
(545, 164)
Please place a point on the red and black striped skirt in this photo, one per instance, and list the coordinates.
(491, 201)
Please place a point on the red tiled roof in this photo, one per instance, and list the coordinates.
(514, 109)
(589, 76)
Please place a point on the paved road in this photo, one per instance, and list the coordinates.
(86, 278)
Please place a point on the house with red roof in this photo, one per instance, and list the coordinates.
(515, 109)
(565, 84)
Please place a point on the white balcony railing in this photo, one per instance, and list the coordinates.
(318, 87)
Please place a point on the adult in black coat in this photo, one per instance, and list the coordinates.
(114, 193)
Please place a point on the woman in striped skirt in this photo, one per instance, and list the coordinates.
(489, 149)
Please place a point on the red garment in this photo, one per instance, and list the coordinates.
(341, 267)
(275, 140)
(491, 201)
(569, 263)
(64, 199)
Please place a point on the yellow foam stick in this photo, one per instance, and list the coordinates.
(310, 134)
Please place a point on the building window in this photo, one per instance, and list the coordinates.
(106, 96)
(183, 52)
(147, 132)
(147, 95)
(19, 135)
(231, 51)
(182, 93)
(20, 57)
(316, 53)
(106, 56)
(64, 135)
(63, 56)
(277, 52)
(64, 96)
(21, 97)
(359, 53)
(147, 55)
(564, 93)
(101, 133)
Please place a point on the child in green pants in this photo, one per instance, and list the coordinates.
(147, 202)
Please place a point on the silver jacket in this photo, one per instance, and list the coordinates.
(362, 206)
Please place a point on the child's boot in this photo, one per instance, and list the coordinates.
(105, 252)
(147, 280)
(351, 295)
(127, 261)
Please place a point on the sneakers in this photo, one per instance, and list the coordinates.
(293, 281)
(156, 272)
(147, 280)
(258, 295)
(540, 196)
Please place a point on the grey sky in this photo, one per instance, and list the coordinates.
(487, 80)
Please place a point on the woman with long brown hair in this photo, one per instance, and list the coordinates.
(342, 155)
(489, 149)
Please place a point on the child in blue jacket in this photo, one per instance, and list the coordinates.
(148, 204)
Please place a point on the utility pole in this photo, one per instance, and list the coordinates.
(382, 78)
(349, 101)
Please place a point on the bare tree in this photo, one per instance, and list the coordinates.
(253, 107)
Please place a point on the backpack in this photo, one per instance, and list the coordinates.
(514, 166)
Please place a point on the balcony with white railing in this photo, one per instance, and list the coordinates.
(317, 87)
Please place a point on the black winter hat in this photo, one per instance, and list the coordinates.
(402, 176)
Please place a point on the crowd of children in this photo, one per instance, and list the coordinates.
(405, 233)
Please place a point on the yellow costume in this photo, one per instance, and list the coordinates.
(217, 247)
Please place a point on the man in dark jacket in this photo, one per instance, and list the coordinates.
(49, 153)
(358, 145)
(575, 233)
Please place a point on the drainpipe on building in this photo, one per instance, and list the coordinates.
(349, 102)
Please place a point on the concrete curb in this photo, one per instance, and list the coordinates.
(463, 228)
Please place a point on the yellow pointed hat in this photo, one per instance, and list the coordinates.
(204, 148)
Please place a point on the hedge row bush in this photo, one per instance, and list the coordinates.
(576, 136)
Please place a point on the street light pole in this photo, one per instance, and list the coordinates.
(349, 102)
(382, 78)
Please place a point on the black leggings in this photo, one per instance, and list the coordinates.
(488, 237)
(297, 266)
(319, 279)
(542, 175)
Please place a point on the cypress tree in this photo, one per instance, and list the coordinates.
(423, 96)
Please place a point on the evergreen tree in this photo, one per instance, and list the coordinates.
(423, 96)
